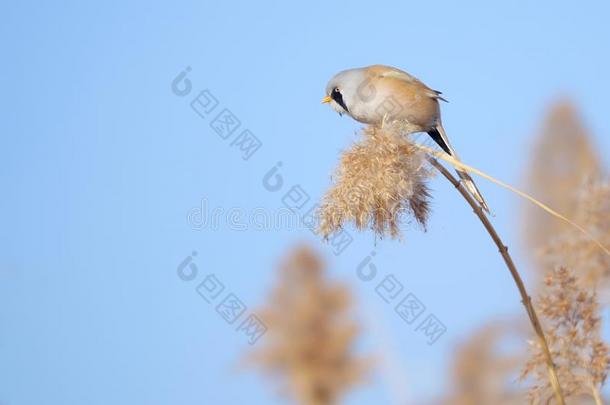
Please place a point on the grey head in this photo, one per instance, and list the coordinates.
(342, 90)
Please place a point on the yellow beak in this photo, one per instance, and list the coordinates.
(326, 99)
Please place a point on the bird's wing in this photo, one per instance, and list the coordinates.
(388, 71)
(399, 74)
(391, 72)
(440, 137)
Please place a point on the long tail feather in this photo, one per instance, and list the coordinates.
(440, 137)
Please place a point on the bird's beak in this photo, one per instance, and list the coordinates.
(326, 99)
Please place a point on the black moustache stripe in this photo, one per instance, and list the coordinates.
(338, 97)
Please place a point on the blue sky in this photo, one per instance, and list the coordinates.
(102, 163)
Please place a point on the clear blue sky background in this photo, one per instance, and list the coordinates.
(101, 163)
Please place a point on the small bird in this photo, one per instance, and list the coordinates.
(380, 94)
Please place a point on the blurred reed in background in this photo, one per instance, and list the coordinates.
(309, 346)
(487, 364)
(566, 172)
(575, 251)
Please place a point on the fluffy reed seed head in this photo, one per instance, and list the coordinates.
(380, 179)
(310, 334)
(569, 315)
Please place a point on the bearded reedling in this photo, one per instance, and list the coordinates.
(364, 94)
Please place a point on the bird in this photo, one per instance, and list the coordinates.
(379, 94)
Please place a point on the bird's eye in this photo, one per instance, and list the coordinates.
(336, 90)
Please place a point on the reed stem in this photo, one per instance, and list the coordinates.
(525, 298)
(596, 396)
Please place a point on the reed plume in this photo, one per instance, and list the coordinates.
(309, 343)
(570, 315)
(380, 180)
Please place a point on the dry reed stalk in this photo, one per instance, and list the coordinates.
(525, 298)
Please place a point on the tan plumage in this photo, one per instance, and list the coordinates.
(381, 94)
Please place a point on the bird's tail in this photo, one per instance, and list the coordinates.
(473, 189)
(440, 137)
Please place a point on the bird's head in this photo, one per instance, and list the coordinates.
(342, 90)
